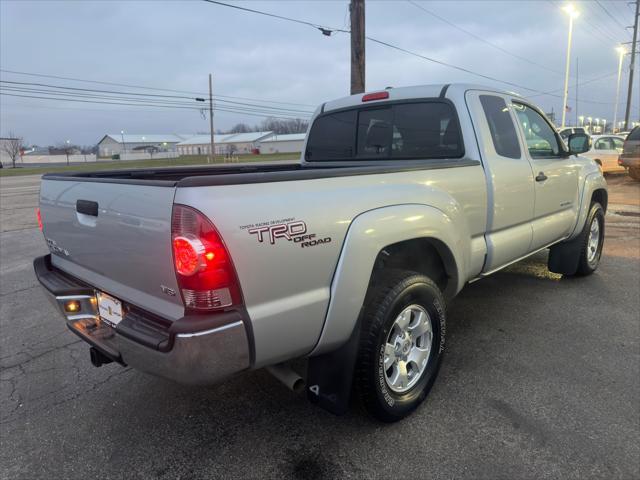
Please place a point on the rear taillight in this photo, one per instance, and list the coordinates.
(39, 217)
(205, 273)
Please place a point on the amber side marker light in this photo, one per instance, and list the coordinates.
(72, 306)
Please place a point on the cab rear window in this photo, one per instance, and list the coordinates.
(416, 130)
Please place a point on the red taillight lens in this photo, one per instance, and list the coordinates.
(39, 217)
(375, 96)
(204, 270)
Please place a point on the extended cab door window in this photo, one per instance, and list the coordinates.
(503, 132)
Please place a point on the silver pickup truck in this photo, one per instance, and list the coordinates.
(346, 260)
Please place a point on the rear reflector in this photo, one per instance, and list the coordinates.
(39, 217)
(203, 266)
(375, 96)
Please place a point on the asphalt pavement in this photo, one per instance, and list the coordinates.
(541, 379)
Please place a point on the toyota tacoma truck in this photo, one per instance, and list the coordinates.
(346, 259)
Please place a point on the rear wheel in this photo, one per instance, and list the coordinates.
(401, 344)
(634, 173)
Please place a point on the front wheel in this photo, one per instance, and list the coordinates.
(401, 344)
(592, 238)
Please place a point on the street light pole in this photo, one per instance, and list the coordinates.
(572, 14)
(620, 51)
(66, 150)
(124, 145)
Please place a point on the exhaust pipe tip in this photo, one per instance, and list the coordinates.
(288, 377)
(98, 358)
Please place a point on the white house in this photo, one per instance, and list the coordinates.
(117, 143)
(290, 143)
(231, 143)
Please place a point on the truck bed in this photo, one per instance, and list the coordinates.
(210, 175)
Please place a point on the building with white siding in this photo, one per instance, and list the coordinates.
(231, 143)
(289, 143)
(116, 143)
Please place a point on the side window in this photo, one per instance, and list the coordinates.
(539, 136)
(603, 144)
(618, 143)
(332, 137)
(503, 132)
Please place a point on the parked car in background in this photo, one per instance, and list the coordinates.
(605, 150)
(630, 156)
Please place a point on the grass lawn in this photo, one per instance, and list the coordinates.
(160, 162)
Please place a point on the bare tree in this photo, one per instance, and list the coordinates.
(240, 128)
(282, 126)
(12, 147)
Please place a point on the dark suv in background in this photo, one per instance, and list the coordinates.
(630, 156)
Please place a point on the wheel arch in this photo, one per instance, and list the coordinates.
(404, 232)
(601, 196)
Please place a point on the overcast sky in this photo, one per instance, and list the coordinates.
(174, 45)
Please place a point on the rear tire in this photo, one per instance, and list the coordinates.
(401, 344)
(592, 239)
(635, 173)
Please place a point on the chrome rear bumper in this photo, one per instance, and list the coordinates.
(200, 349)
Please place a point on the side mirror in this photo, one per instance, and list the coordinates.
(579, 143)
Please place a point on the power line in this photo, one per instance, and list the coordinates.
(605, 10)
(481, 39)
(141, 101)
(113, 92)
(254, 113)
(15, 72)
(325, 30)
(394, 47)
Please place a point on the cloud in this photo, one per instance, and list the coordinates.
(176, 44)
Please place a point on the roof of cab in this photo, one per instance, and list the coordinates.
(417, 91)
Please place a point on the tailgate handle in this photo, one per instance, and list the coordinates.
(87, 207)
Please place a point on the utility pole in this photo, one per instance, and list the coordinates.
(634, 46)
(213, 146)
(356, 8)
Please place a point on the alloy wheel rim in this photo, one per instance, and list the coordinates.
(594, 240)
(407, 348)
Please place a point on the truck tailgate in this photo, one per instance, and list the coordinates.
(115, 237)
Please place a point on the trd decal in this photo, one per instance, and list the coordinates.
(290, 230)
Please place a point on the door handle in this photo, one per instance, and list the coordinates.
(541, 177)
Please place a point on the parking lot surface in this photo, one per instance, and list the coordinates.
(541, 380)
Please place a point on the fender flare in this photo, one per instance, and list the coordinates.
(592, 182)
(370, 233)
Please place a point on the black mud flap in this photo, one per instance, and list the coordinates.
(564, 257)
(330, 375)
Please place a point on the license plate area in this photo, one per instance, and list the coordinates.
(109, 309)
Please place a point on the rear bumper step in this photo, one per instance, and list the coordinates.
(196, 349)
